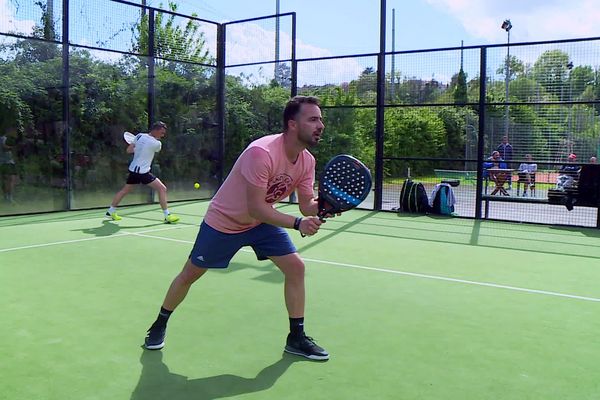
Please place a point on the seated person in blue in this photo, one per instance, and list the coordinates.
(493, 161)
(568, 173)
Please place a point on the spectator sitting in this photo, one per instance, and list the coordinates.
(568, 173)
(527, 172)
(593, 160)
(493, 161)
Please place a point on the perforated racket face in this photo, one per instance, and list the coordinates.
(129, 137)
(345, 183)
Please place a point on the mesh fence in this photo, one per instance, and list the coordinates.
(542, 98)
(546, 110)
(116, 30)
(41, 19)
(336, 81)
(256, 41)
(429, 77)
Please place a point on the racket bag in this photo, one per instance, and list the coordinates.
(443, 200)
(413, 197)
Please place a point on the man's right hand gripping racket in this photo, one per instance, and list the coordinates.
(344, 184)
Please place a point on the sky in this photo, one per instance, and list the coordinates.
(351, 26)
(344, 27)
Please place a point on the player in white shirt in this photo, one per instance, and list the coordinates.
(8, 170)
(143, 148)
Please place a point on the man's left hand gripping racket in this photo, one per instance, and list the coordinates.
(344, 184)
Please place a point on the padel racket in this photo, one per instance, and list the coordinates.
(129, 137)
(344, 184)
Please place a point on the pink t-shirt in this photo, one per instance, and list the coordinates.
(264, 164)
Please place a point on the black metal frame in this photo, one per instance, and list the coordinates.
(221, 67)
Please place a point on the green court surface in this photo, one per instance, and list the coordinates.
(409, 307)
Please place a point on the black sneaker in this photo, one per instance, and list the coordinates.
(155, 339)
(306, 347)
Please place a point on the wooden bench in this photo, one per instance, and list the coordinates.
(510, 199)
(553, 200)
(515, 199)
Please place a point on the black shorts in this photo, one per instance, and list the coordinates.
(8, 169)
(135, 179)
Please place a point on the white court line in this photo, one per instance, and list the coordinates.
(443, 278)
(162, 238)
(415, 274)
(335, 264)
(32, 246)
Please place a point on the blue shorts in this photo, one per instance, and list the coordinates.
(214, 249)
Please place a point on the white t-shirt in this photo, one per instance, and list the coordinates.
(528, 168)
(145, 147)
(5, 154)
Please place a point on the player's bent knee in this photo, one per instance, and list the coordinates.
(190, 273)
(292, 266)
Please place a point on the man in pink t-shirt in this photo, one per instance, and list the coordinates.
(242, 214)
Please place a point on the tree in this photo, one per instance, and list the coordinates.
(171, 41)
(580, 77)
(551, 71)
(516, 68)
(460, 90)
(283, 75)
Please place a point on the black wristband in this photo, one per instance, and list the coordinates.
(297, 223)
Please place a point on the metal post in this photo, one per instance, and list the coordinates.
(506, 82)
(221, 36)
(65, 105)
(393, 69)
(151, 77)
(294, 83)
(277, 71)
(570, 116)
(50, 20)
(379, 118)
(507, 26)
(482, 106)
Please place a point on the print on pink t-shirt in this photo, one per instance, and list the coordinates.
(264, 164)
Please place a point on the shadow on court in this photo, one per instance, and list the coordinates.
(157, 382)
(326, 233)
(109, 228)
(268, 272)
(591, 232)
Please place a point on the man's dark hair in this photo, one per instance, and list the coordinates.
(292, 108)
(158, 125)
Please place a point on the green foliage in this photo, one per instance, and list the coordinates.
(516, 68)
(581, 77)
(460, 90)
(551, 70)
(413, 132)
(107, 97)
(171, 40)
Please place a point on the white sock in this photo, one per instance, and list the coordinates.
(166, 212)
(112, 209)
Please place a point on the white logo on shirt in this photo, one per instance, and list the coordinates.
(201, 258)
